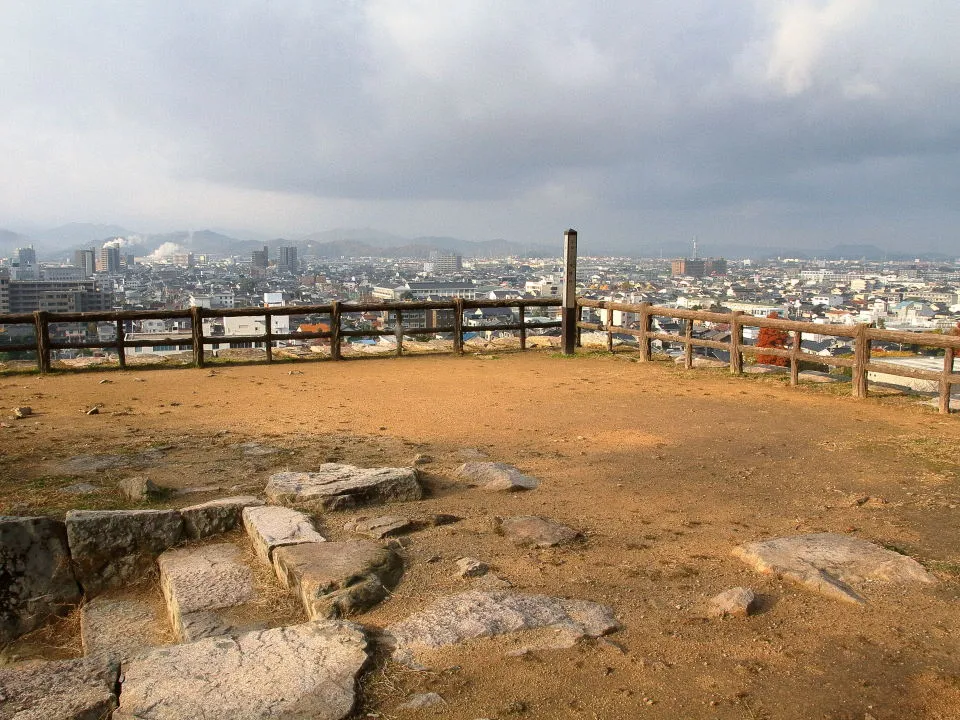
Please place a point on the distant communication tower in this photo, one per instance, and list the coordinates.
(694, 257)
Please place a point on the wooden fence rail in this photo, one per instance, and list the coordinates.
(860, 363)
(862, 334)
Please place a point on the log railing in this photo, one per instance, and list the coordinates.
(43, 345)
(862, 334)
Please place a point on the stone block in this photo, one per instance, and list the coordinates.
(215, 517)
(271, 527)
(334, 487)
(68, 690)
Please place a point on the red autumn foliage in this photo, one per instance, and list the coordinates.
(772, 338)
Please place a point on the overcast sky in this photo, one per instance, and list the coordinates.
(770, 122)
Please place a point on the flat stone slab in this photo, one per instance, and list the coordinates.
(379, 527)
(475, 614)
(289, 673)
(699, 361)
(333, 486)
(119, 628)
(764, 369)
(216, 516)
(271, 527)
(98, 463)
(832, 564)
(36, 580)
(66, 690)
(111, 548)
(335, 579)
(202, 579)
(815, 376)
(535, 531)
(496, 477)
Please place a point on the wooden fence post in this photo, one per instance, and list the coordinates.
(688, 347)
(196, 331)
(268, 331)
(569, 306)
(609, 323)
(736, 343)
(861, 357)
(795, 351)
(645, 323)
(335, 330)
(458, 325)
(523, 327)
(399, 331)
(41, 325)
(121, 350)
(948, 355)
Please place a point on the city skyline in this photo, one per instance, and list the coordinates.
(798, 123)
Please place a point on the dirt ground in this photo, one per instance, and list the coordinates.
(663, 470)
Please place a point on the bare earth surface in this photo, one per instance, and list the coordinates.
(663, 471)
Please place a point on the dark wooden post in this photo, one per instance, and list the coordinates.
(268, 331)
(795, 351)
(121, 350)
(399, 331)
(861, 357)
(458, 325)
(736, 343)
(335, 330)
(688, 348)
(609, 324)
(41, 325)
(523, 327)
(948, 355)
(568, 318)
(645, 323)
(196, 331)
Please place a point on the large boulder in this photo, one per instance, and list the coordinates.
(456, 618)
(68, 690)
(832, 564)
(199, 580)
(270, 527)
(216, 516)
(36, 580)
(333, 486)
(496, 477)
(113, 547)
(336, 579)
(289, 673)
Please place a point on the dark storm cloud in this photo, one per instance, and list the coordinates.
(770, 109)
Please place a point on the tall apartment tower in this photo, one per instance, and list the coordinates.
(27, 263)
(261, 258)
(109, 260)
(86, 260)
(444, 263)
(287, 259)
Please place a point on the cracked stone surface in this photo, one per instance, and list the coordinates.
(496, 477)
(215, 517)
(297, 672)
(36, 580)
(113, 547)
(65, 690)
(119, 628)
(202, 579)
(333, 486)
(535, 531)
(832, 564)
(379, 527)
(270, 527)
(475, 614)
(336, 579)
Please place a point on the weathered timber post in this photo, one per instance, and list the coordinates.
(861, 357)
(645, 323)
(399, 331)
(335, 330)
(268, 331)
(568, 318)
(458, 325)
(736, 343)
(795, 351)
(609, 328)
(196, 332)
(523, 327)
(121, 350)
(41, 325)
(948, 355)
(688, 348)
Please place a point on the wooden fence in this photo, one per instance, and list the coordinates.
(862, 335)
(860, 363)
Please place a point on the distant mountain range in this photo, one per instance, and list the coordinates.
(59, 244)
